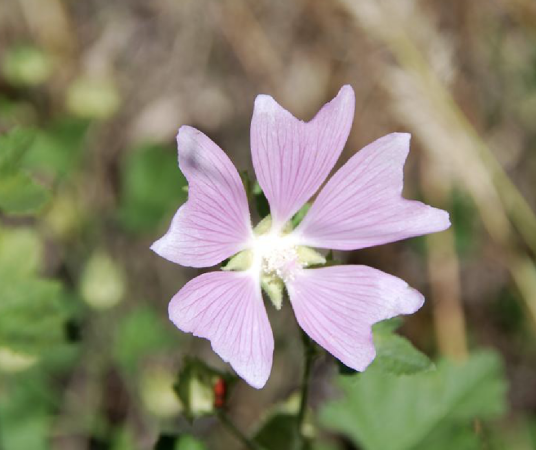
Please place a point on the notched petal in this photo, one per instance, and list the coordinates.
(337, 306)
(227, 308)
(214, 223)
(292, 158)
(362, 204)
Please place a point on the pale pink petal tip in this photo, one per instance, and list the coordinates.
(292, 158)
(214, 223)
(159, 246)
(265, 104)
(227, 309)
(337, 306)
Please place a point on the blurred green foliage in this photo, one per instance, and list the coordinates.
(386, 412)
(26, 65)
(31, 312)
(140, 334)
(57, 149)
(26, 416)
(19, 192)
(151, 187)
(33, 309)
(89, 177)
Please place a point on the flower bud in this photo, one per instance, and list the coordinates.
(201, 389)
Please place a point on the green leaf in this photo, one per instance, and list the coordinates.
(395, 354)
(385, 412)
(448, 437)
(388, 326)
(152, 188)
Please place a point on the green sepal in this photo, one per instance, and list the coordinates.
(274, 288)
(309, 257)
(239, 262)
(263, 226)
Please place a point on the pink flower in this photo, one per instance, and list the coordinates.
(360, 206)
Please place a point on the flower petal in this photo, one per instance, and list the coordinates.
(227, 308)
(293, 158)
(362, 205)
(214, 223)
(336, 306)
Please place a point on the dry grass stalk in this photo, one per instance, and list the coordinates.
(444, 271)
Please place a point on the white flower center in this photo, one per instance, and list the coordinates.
(276, 258)
(276, 255)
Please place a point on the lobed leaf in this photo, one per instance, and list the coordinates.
(396, 355)
(381, 411)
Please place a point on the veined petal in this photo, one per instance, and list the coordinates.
(215, 222)
(227, 308)
(293, 158)
(336, 306)
(362, 204)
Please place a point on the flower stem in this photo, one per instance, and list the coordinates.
(235, 431)
(308, 353)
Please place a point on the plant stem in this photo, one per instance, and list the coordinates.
(308, 353)
(235, 431)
